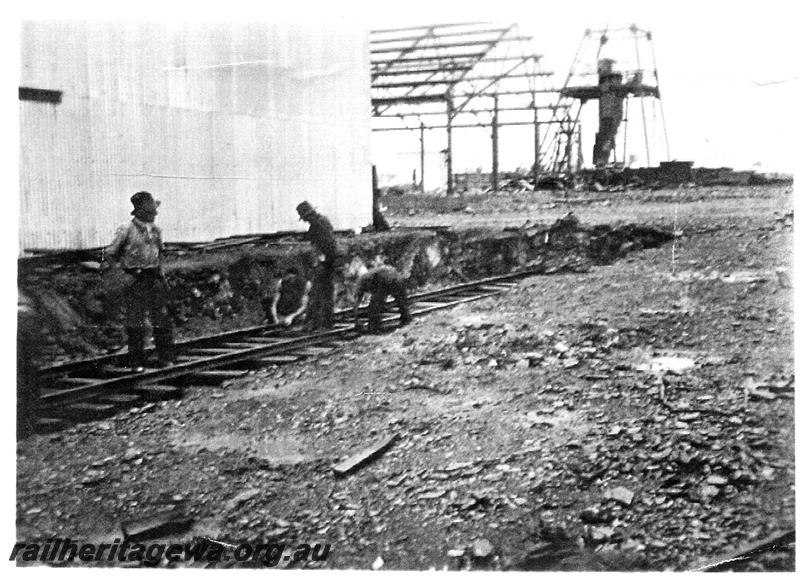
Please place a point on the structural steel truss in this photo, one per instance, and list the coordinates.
(459, 76)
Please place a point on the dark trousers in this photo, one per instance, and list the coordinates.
(320, 301)
(377, 304)
(146, 296)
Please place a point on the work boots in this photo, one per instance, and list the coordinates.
(164, 346)
(136, 349)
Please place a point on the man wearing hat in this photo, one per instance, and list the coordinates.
(138, 249)
(320, 234)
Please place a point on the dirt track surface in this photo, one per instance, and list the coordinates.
(638, 416)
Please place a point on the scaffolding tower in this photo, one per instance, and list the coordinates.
(613, 88)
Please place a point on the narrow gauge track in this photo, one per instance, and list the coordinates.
(99, 386)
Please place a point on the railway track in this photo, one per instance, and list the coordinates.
(98, 387)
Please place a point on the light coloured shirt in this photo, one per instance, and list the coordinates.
(137, 244)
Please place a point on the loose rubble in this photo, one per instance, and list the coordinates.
(528, 438)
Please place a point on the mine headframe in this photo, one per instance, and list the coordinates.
(613, 87)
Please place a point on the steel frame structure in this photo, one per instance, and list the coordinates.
(447, 71)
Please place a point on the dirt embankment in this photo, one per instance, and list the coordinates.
(81, 312)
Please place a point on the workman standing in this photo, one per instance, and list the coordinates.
(289, 298)
(138, 249)
(380, 282)
(320, 234)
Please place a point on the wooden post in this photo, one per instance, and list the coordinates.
(449, 153)
(536, 137)
(421, 156)
(495, 145)
(568, 152)
(375, 189)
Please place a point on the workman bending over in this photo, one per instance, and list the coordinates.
(289, 299)
(380, 282)
(138, 248)
(320, 234)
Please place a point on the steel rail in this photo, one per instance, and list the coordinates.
(253, 351)
(250, 346)
(70, 366)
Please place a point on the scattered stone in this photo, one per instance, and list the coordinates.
(601, 534)
(708, 491)
(482, 548)
(762, 395)
(455, 553)
(432, 495)
(561, 347)
(595, 515)
(621, 495)
(675, 365)
(377, 564)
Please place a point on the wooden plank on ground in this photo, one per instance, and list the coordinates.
(496, 287)
(116, 370)
(746, 553)
(156, 391)
(219, 351)
(90, 409)
(242, 346)
(275, 360)
(265, 340)
(156, 526)
(427, 303)
(75, 382)
(48, 423)
(120, 398)
(221, 374)
(180, 359)
(307, 351)
(360, 459)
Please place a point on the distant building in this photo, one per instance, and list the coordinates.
(230, 125)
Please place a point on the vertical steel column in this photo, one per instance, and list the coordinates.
(568, 151)
(421, 156)
(625, 136)
(536, 143)
(449, 157)
(641, 100)
(536, 137)
(495, 144)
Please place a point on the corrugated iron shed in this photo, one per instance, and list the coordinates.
(230, 125)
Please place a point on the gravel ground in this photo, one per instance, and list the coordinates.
(637, 416)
